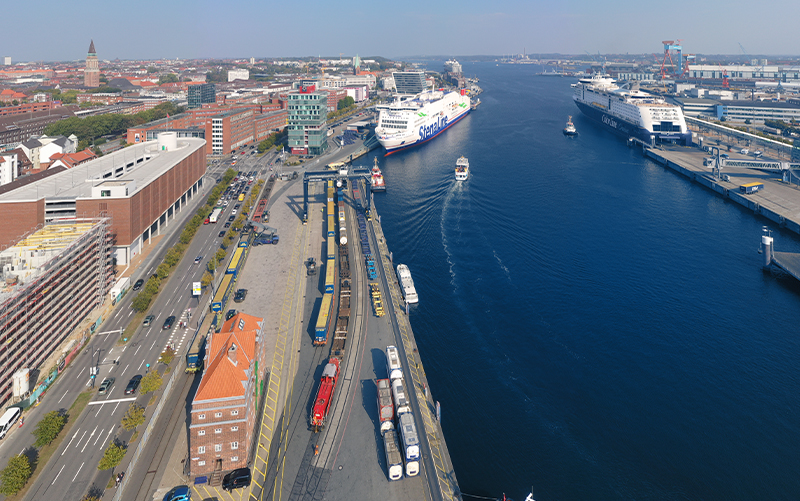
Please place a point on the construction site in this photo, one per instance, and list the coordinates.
(51, 280)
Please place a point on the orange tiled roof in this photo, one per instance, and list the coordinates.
(223, 378)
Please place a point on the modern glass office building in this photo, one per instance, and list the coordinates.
(409, 82)
(308, 113)
(202, 94)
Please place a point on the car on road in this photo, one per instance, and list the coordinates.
(230, 219)
(233, 212)
(221, 234)
(168, 322)
(236, 479)
(106, 385)
(227, 225)
(180, 493)
(138, 285)
(148, 320)
(237, 206)
(240, 295)
(133, 384)
(198, 259)
(230, 314)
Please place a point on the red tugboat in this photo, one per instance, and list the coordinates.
(327, 385)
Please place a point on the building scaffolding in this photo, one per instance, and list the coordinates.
(51, 280)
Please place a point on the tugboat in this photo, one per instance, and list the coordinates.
(569, 130)
(462, 169)
(377, 178)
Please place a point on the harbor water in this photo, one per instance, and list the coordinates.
(594, 325)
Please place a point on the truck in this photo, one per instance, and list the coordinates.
(214, 217)
(394, 459)
(311, 266)
(753, 187)
(385, 404)
(322, 402)
(401, 404)
(196, 354)
(410, 443)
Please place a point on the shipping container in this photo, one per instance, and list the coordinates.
(385, 405)
(410, 443)
(401, 404)
(393, 367)
(394, 459)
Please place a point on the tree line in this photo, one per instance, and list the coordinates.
(93, 127)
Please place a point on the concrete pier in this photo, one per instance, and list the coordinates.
(779, 201)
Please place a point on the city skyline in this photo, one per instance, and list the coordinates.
(197, 31)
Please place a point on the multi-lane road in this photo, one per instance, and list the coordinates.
(72, 471)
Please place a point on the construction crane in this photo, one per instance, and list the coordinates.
(725, 83)
(672, 47)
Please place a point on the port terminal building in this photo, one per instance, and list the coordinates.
(51, 280)
(139, 189)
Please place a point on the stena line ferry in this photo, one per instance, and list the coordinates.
(411, 120)
(631, 112)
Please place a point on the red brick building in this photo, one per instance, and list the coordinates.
(225, 408)
(29, 108)
(334, 96)
(140, 188)
(100, 98)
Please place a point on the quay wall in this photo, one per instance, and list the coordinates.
(759, 203)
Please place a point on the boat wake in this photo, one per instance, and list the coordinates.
(453, 202)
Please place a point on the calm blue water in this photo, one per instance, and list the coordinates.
(595, 326)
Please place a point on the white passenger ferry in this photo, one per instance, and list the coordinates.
(462, 169)
(407, 283)
(411, 120)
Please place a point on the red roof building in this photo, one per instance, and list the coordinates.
(224, 409)
(70, 160)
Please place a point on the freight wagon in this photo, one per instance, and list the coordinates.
(385, 404)
(410, 443)
(394, 459)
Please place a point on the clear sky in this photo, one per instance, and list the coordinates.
(149, 29)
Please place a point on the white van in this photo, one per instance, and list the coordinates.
(9, 418)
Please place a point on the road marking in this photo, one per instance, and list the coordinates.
(76, 473)
(59, 473)
(62, 397)
(89, 439)
(121, 373)
(115, 410)
(140, 366)
(98, 436)
(81, 372)
(137, 351)
(154, 344)
(73, 438)
(130, 312)
(79, 441)
(102, 402)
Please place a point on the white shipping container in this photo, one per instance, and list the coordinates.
(393, 366)
(401, 404)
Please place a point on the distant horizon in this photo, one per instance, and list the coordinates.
(169, 30)
(531, 55)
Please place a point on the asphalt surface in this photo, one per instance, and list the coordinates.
(72, 471)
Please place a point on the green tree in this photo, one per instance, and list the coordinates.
(168, 78)
(151, 382)
(345, 102)
(112, 456)
(220, 255)
(142, 301)
(206, 280)
(48, 428)
(133, 417)
(166, 356)
(152, 285)
(14, 476)
(212, 266)
(152, 69)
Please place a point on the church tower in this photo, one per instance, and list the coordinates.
(91, 75)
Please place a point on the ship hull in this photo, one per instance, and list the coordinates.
(627, 129)
(429, 130)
